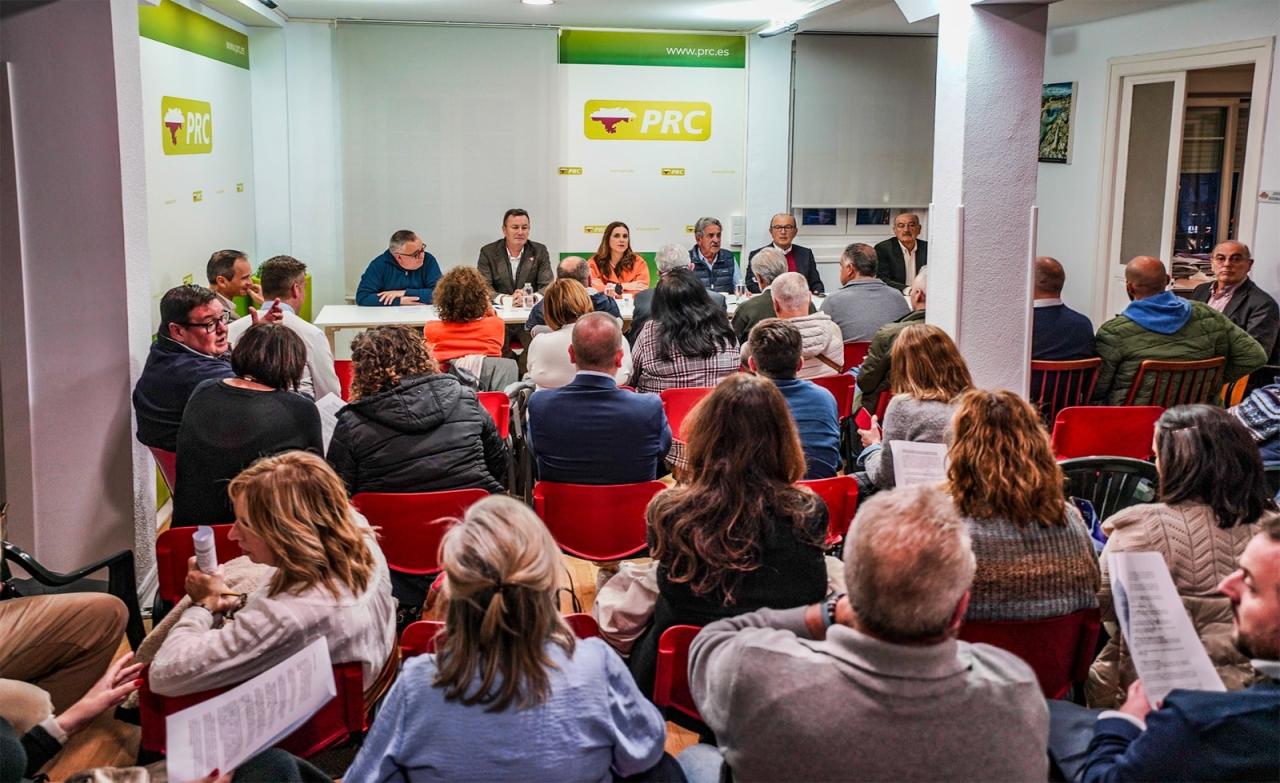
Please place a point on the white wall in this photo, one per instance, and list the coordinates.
(768, 134)
(1068, 195)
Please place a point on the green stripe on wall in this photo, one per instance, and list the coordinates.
(175, 25)
(679, 50)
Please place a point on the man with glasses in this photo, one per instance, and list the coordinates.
(903, 256)
(406, 274)
(1234, 295)
(782, 227)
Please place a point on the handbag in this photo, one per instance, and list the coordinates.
(624, 605)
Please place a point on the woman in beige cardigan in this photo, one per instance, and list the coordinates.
(1212, 496)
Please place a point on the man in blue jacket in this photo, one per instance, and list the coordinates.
(715, 267)
(405, 274)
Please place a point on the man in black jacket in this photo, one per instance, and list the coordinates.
(1237, 297)
(903, 256)
(782, 227)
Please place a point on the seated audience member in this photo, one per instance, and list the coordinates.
(575, 268)
(615, 268)
(775, 348)
(782, 229)
(1237, 297)
(467, 324)
(873, 685)
(1260, 414)
(1212, 500)
(507, 668)
(190, 347)
(667, 258)
(687, 342)
(404, 274)
(550, 362)
(822, 346)
(330, 581)
(735, 534)
(1160, 325)
(766, 265)
(575, 430)
(509, 264)
(1035, 556)
(864, 303)
(873, 375)
(229, 276)
(1058, 332)
(1206, 735)
(409, 427)
(928, 374)
(231, 423)
(903, 256)
(715, 267)
(284, 278)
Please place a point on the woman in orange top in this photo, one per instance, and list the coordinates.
(468, 324)
(616, 263)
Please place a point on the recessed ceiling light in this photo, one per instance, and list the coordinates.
(537, 2)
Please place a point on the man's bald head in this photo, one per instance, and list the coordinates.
(1145, 276)
(574, 268)
(597, 343)
(1050, 278)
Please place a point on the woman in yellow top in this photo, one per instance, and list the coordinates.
(468, 323)
(615, 263)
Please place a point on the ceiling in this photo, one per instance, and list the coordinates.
(847, 16)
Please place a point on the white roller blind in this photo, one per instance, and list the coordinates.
(443, 129)
(862, 128)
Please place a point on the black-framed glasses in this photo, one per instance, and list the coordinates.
(210, 326)
(420, 253)
(782, 228)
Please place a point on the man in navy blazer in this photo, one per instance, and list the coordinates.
(782, 227)
(1058, 333)
(590, 431)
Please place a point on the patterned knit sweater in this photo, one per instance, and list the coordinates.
(1031, 572)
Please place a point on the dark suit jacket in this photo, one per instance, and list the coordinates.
(534, 268)
(576, 432)
(1059, 333)
(642, 306)
(891, 267)
(805, 265)
(1251, 309)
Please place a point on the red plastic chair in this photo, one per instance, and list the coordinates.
(342, 368)
(167, 461)
(419, 638)
(174, 547)
(671, 678)
(498, 404)
(602, 523)
(1105, 431)
(840, 493)
(341, 719)
(854, 352)
(882, 405)
(1178, 383)
(584, 626)
(411, 524)
(678, 402)
(1059, 649)
(841, 387)
(1058, 385)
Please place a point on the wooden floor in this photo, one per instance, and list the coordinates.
(107, 742)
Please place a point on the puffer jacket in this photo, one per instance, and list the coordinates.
(819, 336)
(1199, 553)
(1123, 343)
(427, 433)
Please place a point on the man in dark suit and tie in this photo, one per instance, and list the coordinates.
(900, 258)
(1237, 297)
(782, 227)
(510, 263)
(590, 431)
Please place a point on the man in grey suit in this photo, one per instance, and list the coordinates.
(903, 256)
(1237, 297)
(514, 261)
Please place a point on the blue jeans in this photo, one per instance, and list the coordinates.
(701, 763)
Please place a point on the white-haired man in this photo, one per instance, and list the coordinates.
(782, 229)
(766, 264)
(873, 685)
(667, 258)
(713, 265)
(822, 344)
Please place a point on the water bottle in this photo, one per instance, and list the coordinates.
(206, 549)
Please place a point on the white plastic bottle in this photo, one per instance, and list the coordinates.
(206, 549)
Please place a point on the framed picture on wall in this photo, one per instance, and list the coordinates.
(1057, 102)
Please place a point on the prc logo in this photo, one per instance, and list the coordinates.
(188, 126)
(614, 120)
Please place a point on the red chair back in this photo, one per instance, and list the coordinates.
(841, 387)
(1105, 431)
(167, 461)
(1178, 383)
(1058, 385)
(420, 637)
(601, 523)
(678, 402)
(882, 405)
(498, 404)
(584, 626)
(336, 722)
(174, 547)
(854, 352)
(840, 493)
(671, 679)
(342, 367)
(412, 524)
(1059, 649)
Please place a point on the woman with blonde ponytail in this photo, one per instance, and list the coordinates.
(509, 694)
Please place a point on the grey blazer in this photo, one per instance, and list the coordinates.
(534, 268)
(1251, 309)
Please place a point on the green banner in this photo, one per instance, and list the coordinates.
(175, 25)
(679, 50)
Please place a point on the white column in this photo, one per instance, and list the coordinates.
(986, 134)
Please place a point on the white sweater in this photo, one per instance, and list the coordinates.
(549, 365)
(820, 336)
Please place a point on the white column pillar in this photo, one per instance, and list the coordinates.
(986, 135)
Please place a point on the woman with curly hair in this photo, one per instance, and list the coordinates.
(409, 427)
(467, 323)
(615, 268)
(1035, 557)
(735, 534)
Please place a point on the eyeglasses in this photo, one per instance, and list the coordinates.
(1231, 259)
(782, 228)
(211, 326)
(422, 251)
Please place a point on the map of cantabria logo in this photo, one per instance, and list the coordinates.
(615, 120)
(187, 126)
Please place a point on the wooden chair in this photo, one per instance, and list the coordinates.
(1058, 385)
(1167, 384)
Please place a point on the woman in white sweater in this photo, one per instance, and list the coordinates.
(549, 364)
(330, 581)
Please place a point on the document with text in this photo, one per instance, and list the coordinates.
(329, 405)
(235, 726)
(918, 463)
(1166, 650)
